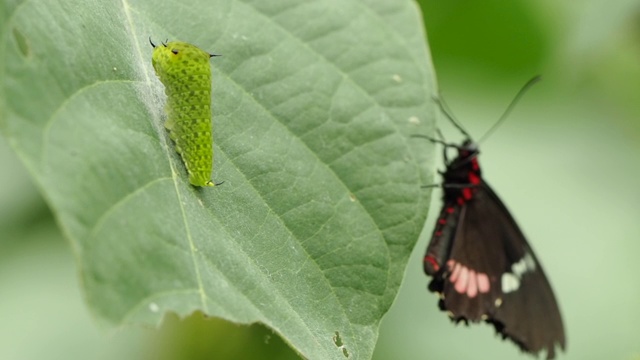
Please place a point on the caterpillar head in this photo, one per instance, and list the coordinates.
(177, 57)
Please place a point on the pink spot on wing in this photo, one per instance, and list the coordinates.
(472, 286)
(467, 281)
(463, 279)
(483, 283)
(455, 273)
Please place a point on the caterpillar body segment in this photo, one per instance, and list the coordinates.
(185, 73)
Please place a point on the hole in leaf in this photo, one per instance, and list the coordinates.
(338, 341)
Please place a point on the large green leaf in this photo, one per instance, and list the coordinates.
(313, 105)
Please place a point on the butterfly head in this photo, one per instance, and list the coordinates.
(467, 152)
(468, 148)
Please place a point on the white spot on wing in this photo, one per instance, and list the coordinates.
(531, 264)
(519, 268)
(154, 307)
(510, 282)
(526, 264)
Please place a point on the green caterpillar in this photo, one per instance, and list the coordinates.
(184, 70)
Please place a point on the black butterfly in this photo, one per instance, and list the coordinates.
(481, 264)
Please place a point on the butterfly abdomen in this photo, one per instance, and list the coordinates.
(184, 70)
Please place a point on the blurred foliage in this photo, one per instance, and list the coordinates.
(458, 29)
(198, 337)
(566, 163)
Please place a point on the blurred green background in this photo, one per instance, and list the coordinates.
(566, 163)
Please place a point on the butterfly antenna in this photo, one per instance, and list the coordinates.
(513, 103)
(435, 141)
(152, 44)
(449, 114)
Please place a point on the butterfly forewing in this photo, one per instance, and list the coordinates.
(529, 313)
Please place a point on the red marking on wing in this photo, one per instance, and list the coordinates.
(467, 193)
(474, 178)
(474, 164)
(431, 260)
